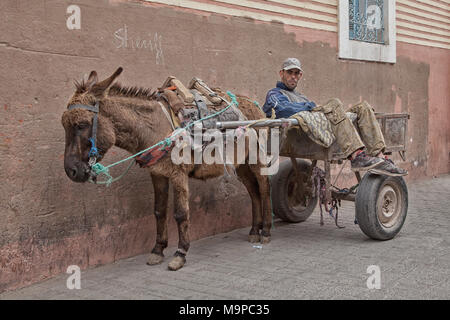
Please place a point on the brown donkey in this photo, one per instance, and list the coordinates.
(132, 119)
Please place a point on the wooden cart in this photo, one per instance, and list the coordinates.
(381, 202)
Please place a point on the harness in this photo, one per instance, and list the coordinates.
(93, 152)
(149, 155)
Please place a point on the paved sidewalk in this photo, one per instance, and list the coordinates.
(303, 261)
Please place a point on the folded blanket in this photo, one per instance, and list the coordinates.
(317, 127)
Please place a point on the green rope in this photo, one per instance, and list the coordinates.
(233, 98)
(254, 102)
(99, 169)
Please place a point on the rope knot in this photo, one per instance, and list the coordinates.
(98, 169)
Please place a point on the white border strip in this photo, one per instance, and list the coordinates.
(210, 8)
(424, 8)
(423, 42)
(278, 9)
(242, 13)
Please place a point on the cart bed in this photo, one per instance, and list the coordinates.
(393, 126)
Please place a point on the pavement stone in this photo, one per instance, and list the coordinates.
(303, 261)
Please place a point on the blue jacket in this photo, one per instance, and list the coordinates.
(283, 106)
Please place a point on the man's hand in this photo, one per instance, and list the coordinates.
(310, 105)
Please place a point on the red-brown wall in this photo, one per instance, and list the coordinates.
(49, 222)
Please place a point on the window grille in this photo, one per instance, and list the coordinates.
(366, 21)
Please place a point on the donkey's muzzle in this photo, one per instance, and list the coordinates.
(77, 172)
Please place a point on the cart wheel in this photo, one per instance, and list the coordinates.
(292, 199)
(381, 205)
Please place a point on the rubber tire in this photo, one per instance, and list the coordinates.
(366, 206)
(279, 192)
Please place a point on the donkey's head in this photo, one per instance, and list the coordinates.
(89, 133)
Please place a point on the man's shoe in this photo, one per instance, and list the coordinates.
(387, 167)
(363, 162)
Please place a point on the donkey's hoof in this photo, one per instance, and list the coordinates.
(265, 240)
(154, 259)
(176, 263)
(254, 238)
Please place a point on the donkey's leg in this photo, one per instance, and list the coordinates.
(161, 187)
(248, 179)
(181, 213)
(264, 192)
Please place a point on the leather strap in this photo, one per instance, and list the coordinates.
(202, 109)
(167, 114)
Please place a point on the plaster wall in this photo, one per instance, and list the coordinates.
(48, 222)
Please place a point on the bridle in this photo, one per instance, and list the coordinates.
(93, 152)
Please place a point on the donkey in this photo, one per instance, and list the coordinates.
(132, 119)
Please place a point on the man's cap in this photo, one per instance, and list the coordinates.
(291, 63)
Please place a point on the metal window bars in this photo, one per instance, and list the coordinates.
(366, 21)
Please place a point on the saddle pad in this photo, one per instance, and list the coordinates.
(203, 110)
(317, 127)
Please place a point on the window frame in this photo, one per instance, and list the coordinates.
(360, 50)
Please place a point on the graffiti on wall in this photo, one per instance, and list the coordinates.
(124, 39)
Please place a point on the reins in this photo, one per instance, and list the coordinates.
(97, 169)
(93, 152)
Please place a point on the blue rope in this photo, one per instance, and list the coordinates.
(94, 151)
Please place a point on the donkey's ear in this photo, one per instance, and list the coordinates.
(99, 88)
(92, 79)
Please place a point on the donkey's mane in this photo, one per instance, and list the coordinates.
(118, 90)
(131, 92)
(80, 86)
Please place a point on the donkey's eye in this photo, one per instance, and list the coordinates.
(81, 126)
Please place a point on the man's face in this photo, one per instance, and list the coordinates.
(291, 77)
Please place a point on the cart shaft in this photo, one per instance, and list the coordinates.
(255, 123)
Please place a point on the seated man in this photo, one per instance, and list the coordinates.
(285, 101)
